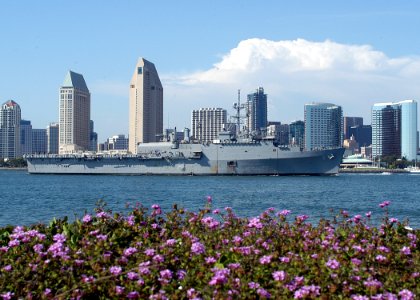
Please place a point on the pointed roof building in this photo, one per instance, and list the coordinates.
(75, 80)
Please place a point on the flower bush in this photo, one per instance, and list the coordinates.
(210, 254)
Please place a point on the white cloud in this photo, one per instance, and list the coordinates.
(294, 73)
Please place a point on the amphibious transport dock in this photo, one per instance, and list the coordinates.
(222, 157)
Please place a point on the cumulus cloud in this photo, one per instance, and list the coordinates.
(294, 73)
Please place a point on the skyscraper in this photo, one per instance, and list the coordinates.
(206, 123)
(52, 138)
(146, 105)
(394, 129)
(297, 133)
(74, 114)
(10, 117)
(25, 137)
(257, 110)
(39, 141)
(323, 125)
(350, 122)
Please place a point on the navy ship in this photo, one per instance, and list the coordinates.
(225, 156)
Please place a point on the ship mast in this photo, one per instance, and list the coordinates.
(238, 107)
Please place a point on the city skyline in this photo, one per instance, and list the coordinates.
(299, 53)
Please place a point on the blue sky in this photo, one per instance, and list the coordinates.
(352, 53)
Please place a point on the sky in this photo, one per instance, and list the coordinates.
(350, 53)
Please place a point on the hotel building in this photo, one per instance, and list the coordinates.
(394, 129)
(10, 117)
(323, 126)
(74, 114)
(206, 123)
(146, 105)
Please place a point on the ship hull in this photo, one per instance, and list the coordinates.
(196, 159)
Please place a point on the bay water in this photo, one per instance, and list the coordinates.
(27, 199)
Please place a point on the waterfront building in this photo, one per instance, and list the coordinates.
(366, 152)
(206, 123)
(146, 105)
(117, 142)
(39, 141)
(74, 114)
(93, 137)
(297, 133)
(394, 129)
(362, 134)
(323, 126)
(351, 144)
(257, 111)
(350, 122)
(25, 137)
(10, 117)
(52, 138)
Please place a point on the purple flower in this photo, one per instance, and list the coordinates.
(253, 285)
(359, 297)
(180, 274)
(384, 204)
(406, 250)
(87, 218)
(266, 259)
(332, 264)
(171, 242)
(133, 295)
(119, 290)
(393, 220)
(284, 212)
(131, 220)
(372, 283)
(356, 261)
(158, 258)
(7, 268)
(255, 223)
(279, 275)
(149, 252)
(132, 276)
(219, 277)
(302, 218)
(166, 274)
(130, 251)
(13, 243)
(368, 214)
(380, 258)
(234, 266)
(263, 293)
(210, 260)
(209, 199)
(285, 259)
(102, 215)
(115, 270)
(7, 296)
(406, 295)
(197, 248)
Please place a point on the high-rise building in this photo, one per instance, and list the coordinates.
(39, 141)
(297, 133)
(52, 138)
(10, 117)
(362, 134)
(25, 137)
(350, 122)
(394, 129)
(323, 126)
(206, 123)
(93, 137)
(117, 142)
(146, 105)
(74, 114)
(257, 111)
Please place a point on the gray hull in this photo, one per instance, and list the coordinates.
(260, 158)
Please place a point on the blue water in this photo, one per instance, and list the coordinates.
(26, 199)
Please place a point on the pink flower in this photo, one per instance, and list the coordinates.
(130, 251)
(132, 276)
(255, 223)
(166, 274)
(7, 296)
(406, 250)
(332, 264)
(219, 277)
(384, 204)
(149, 252)
(7, 268)
(197, 248)
(279, 275)
(406, 295)
(115, 270)
(266, 259)
(380, 258)
(284, 212)
(119, 290)
(87, 218)
(368, 214)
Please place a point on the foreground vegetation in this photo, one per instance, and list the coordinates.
(210, 254)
